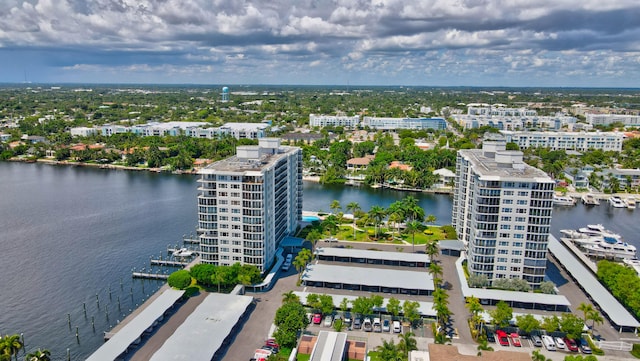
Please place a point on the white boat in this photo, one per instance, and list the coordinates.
(596, 241)
(563, 201)
(590, 200)
(616, 202)
(631, 203)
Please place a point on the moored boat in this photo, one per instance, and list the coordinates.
(596, 241)
(616, 202)
(590, 200)
(563, 201)
(631, 203)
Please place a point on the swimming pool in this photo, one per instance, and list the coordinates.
(310, 218)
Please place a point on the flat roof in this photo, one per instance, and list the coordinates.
(329, 346)
(451, 244)
(600, 295)
(367, 276)
(512, 296)
(368, 254)
(424, 308)
(119, 342)
(484, 164)
(203, 332)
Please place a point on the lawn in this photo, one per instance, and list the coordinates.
(388, 235)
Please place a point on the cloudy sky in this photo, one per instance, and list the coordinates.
(326, 42)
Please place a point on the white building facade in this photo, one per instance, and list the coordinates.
(580, 141)
(382, 123)
(334, 121)
(248, 203)
(502, 212)
(606, 119)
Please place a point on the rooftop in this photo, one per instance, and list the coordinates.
(203, 332)
(500, 163)
(367, 254)
(366, 276)
(251, 158)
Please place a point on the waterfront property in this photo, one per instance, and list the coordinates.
(248, 203)
(425, 309)
(581, 141)
(502, 211)
(615, 312)
(368, 279)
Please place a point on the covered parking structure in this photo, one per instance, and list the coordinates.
(515, 299)
(425, 309)
(131, 333)
(207, 330)
(615, 312)
(368, 279)
(386, 258)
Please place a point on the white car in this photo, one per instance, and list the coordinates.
(328, 321)
(397, 328)
(560, 343)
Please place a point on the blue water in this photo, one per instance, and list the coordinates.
(310, 218)
(69, 233)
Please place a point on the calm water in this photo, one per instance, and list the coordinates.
(70, 233)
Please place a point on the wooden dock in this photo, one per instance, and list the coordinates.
(159, 262)
(149, 276)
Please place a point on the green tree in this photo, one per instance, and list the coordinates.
(39, 355)
(338, 325)
(586, 309)
(10, 345)
(432, 249)
(527, 323)
(326, 304)
(413, 227)
(388, 351)
(376, 214)
(547, 287)
(393, 307)
(536, 355)
(502, 314)
(290, 297)
(571, 324)
(290, 318)
(335, 206)
(431, 219)
(362, 305)
(179, 279)
(410, 311)
(353, 207)
(313, 301)
(344, 305)
(550, 323)
(596, 318)
(407, 344)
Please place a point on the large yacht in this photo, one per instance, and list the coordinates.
(596, 241)
(617, 202)
(563, 201)
(631, 203)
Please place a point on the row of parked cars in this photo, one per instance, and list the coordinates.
(358, 323)
(550, 343)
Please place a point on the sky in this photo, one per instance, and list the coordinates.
(555, 43)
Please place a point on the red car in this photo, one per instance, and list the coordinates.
(515, 339)
(503, 339)
(317, 318)
(571, 344)
(271, 342)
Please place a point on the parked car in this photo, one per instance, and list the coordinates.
(584, 346)
(367, 326)
(515, 339)
(338, 317)
(491, 337)
(548, 343)
(537, 341)
(328, 321)
(273, 349)
(503, 339)
(317, 319)
(271, 342)
(357, 323)
(571, 344)
(397, 327)
(347, 319)
(386, 325)
(377, 326)
(560, 343)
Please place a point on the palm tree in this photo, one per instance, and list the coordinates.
(39, 355)
(10, 345)
(412, 228)
(484, 346)
(536, 355)
(435, 270)
(396, 218)
(407, 343)
(389, 351)
(432, 249)
(586, 309)
(290, 297)
(377, 214)
(412, 209)
(353, 207)
(335, 206)
(595, 317)
(431, 219)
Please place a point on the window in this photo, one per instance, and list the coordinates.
(501, 268)
(521, 219)
(523, 194)
(519, 228)
(517, 244)
(516, 260)
(504, 235)
(516, 252)
(505, 218)
(505, 226)
(522, 202)
(508, 193)
(517, 235)
(503, 244)
(502, 259)
(507, 210)
(503, 251)
(507, 201)
(522, 211)
(235, 219)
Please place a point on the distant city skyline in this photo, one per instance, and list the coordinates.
(565, 43)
